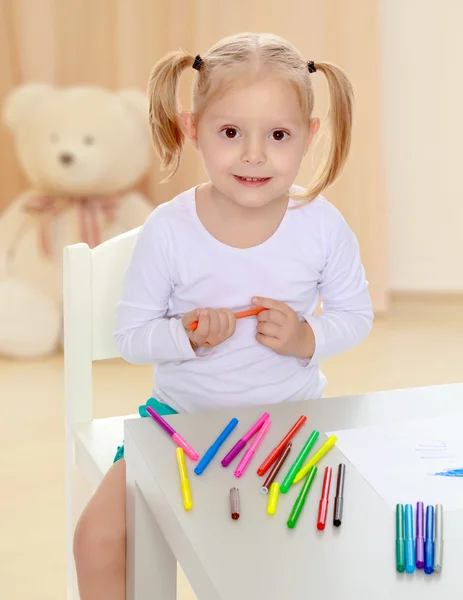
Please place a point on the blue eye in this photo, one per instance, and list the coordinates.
(230, 132)
(279, 135)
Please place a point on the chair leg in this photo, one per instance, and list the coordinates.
(78, 493)
(151, 565)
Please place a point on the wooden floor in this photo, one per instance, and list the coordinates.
(417, 344)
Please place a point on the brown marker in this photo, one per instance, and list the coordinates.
(276, 467)
(235, 503)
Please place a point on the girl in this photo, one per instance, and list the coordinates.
(246, 237)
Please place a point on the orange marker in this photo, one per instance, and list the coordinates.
(252, 312)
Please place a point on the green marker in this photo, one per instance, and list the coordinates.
(299, 504)
(400, 538)
(293, 471)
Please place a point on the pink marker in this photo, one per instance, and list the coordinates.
(240, 469)
(175, 436)
(245, 439)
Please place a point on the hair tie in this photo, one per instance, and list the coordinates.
(197, 63)
(311, 65)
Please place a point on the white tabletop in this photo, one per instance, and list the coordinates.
(258, 556)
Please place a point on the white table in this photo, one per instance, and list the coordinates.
(258, 557)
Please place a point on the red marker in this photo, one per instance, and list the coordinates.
(323, 509)
(276, 452)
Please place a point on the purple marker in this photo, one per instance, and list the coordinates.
(420, 535)
(173, 434)
(245, 439)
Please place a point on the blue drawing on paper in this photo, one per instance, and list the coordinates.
(450, 473)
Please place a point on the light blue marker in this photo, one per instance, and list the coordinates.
(409, 540)
(209, 455)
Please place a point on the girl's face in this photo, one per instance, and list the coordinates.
(252, 140)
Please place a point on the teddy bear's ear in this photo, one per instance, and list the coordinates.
(21, 99)
(136, 101)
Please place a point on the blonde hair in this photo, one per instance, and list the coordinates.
(247, 51)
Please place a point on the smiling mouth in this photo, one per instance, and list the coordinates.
(252, 179)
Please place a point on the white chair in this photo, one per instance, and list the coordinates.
(92, 284)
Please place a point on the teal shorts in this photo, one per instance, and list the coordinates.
(159, 407)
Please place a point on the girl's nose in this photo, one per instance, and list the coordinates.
(254, 153)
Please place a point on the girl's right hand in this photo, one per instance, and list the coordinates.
(214, 326)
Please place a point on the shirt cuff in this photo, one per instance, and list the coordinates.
(319, 336)
(187, 349)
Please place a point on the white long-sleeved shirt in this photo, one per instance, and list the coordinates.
(177, 266)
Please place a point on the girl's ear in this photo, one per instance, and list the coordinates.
(189, 127)
(313, 130)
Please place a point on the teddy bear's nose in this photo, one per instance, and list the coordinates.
(66, 158)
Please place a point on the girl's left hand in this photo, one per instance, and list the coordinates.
(279, 329)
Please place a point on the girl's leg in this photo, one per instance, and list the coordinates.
(100, 540)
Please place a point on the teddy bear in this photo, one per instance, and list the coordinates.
(85, 151)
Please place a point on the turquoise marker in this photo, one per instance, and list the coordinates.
(209, 454)
(400, 538)
(409, 540)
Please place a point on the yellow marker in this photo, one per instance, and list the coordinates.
(330, 442)
(184, 482)
(273, 498)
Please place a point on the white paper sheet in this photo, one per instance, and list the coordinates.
(410, 462)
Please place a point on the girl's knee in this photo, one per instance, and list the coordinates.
(99, 538)
(98, 544)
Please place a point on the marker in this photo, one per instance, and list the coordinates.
(339, 498)
(439, 538)
(235, 503)
(419, 546)
(171, 431)
(273, 498)
(275, 453)
(252, 312)
(409, 540)
(275, 469)
(330, 442)
(245, 439)
(323, 507)
(247, 457)
(288, 480)
(184, 482)
(209, 454)
(400, 538)
(429, 542)
(299, 504)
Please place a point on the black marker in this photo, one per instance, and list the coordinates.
(339, 499)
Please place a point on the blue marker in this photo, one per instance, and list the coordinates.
(409, 540)
(209, 455)
(429, 541)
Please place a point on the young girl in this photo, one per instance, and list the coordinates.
(245, 238)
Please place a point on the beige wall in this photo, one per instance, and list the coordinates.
(115, 43)
(422, 93)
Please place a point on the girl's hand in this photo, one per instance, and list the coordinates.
(279, 329)
(214, 326)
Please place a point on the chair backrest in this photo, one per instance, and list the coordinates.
(92, 285)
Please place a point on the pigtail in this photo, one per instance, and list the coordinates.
(340, 129)
(167, 136)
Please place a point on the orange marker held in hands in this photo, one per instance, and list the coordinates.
(252, 312)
